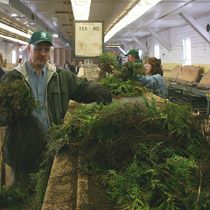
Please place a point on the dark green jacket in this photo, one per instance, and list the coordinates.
(62, 85)
(24, 140)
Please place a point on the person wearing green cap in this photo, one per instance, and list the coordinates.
(133, 56)
(132, 67)
(52, 88)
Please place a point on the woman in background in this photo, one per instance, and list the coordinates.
(154, 77)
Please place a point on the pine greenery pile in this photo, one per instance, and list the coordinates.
(149, 156)
(119, 87)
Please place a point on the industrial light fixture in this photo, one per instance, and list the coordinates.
(14, 30)
(122, 50)
(55, 35)
(112, 46)
(81, 9)
(138, 10)
(4, 2)
(14, 15)
(13, 39)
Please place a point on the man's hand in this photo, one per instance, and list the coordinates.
(102, 95)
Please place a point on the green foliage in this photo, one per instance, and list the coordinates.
(76, 126)
(153, 111)
(60, 133)
(16, 100)
(151, 151)
(148, 185)
(123, 188)
(130, 70)
(40, 180)
(122, 88)
(16, 197)
(179, 119)
(27, 193)
(108, 58)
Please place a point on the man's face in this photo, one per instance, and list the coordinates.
(39, 54)
(131, 58)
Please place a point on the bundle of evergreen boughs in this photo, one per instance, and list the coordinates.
(119, 87)
(25, 136)
(16, 100)
(130, 70)
(108, 58)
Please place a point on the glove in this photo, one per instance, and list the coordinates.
(102, 95)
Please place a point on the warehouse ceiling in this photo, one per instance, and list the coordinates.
(56, 16)
(166, 14)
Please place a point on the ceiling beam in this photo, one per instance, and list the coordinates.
(160, 39)
(196, 26)
(144, 48)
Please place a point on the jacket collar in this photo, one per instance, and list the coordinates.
(22, 69)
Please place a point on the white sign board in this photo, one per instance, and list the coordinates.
(88, 39)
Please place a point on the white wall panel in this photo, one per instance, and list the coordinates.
(6, 49)
(200, 47)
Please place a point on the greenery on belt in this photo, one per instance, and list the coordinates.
(123, 82)
(150, 156)
(119, 87)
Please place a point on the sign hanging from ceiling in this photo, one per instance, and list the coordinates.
(88, 39)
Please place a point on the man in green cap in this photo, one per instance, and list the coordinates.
(132, 67)
(52, 88)
(133, 56)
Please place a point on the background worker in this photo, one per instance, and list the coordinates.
(133, 56)
(154, 77)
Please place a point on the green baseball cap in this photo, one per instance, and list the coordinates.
(133, 52)
(40, 36)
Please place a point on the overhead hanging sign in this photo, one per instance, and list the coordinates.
(88, 39)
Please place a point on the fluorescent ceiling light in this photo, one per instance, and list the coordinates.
(55, 35)
(112, 46)
(81, 9)
(123, 51)
(142, 7)
(4, 2)
(13, 39)
(14, 30)
(14, 15)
